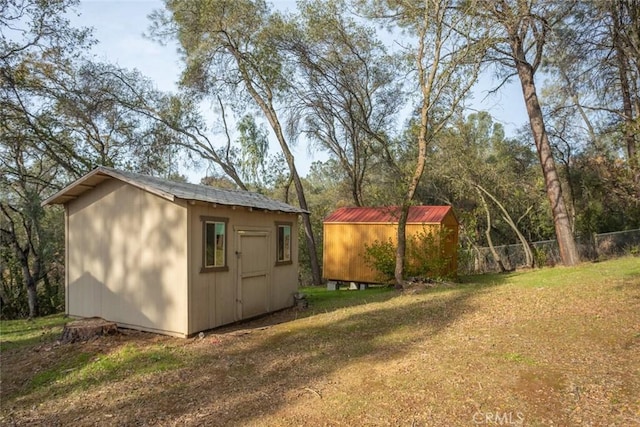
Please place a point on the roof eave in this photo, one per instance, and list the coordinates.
(55, 198)
(294, 211)
(100, 174)
(63, 196)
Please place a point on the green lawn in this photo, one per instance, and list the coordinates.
(321, 300)
(543, 347)
(18, 333)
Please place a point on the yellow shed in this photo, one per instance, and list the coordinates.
(347, 231)
(174, 258)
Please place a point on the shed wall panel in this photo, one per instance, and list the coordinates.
(127, 258)
(344, 248)
(451, 244)
(345, 243)
(213, 295)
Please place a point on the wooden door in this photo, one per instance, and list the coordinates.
(253, 273)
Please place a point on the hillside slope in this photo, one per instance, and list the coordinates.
(546, 347)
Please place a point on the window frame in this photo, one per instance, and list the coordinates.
(214, 220)
(284, 261)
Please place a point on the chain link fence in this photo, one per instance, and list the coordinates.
(546, 253)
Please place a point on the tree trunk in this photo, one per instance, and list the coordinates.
(302, 200)
(625, 89)
(32, 298)
(566, 243)
(408, 198)
(356, 193)
(29, 279)
(306, 219)
(629, 122)
(487, 233)
(426, 85)
(87, 329)
(265, 104)
(528, 254)
(401, 248)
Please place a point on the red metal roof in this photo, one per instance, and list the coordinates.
(390, 214)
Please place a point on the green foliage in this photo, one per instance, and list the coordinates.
(475, 152)
(425, 256)
(48, 377)
(541, 256)
(62, 114)
(519, 358)
(350, 90)
(605, 195)
(254, 145)
(13, 294)
(466, 259)
(633, 250)
(33, 237)
(381, 256)
(50, 293)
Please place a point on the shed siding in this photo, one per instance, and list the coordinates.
(344, 248)
(343, 255)
(127, 258)
(213, 296)
(345, 242)
(451, 243)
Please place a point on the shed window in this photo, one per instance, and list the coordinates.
(284, 243)
(214, 244)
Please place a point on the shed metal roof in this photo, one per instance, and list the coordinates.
(169, 190)
(390, 214)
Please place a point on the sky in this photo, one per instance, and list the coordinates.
(119, 27)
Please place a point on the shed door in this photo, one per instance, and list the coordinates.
(253, 273)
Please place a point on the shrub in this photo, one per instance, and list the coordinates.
(540, 256)
(424, 256)
(381, 256)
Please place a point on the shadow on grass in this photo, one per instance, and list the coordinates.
(320, 300)
(240, 379)
(58, 370)
(323, 301)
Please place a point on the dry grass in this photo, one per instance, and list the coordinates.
(547, 347)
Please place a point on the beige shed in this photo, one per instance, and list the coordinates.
(174, 258)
